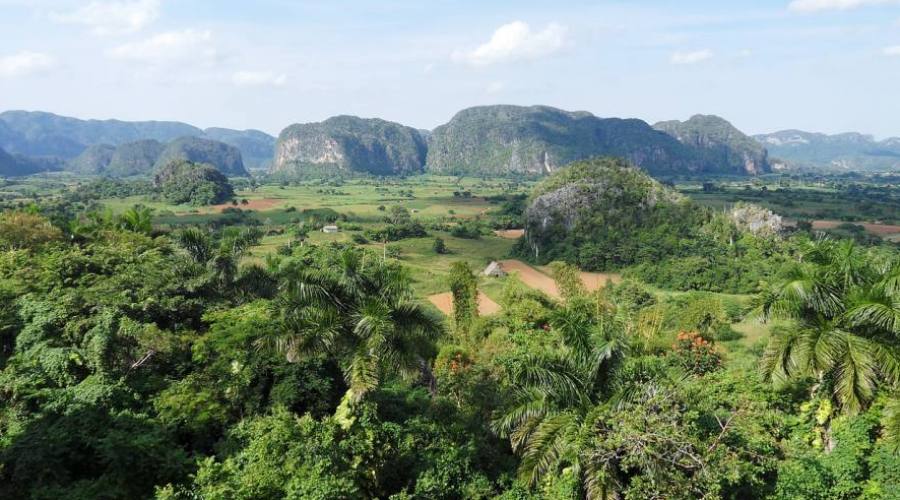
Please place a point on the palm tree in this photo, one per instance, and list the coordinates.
(138, 219)
(218, 263)
(360, 312)
(559, 398)
(844, 311)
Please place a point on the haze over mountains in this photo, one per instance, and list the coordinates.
(483, 140)
(849, 151)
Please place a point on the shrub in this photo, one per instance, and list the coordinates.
(439, 246)
(695, 354)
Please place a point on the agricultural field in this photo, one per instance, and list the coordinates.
(870, 199)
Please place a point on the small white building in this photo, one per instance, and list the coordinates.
(494, 270)
(330, 229)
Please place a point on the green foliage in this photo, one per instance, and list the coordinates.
(439, 246)
(843, 304)
(464, 288)
(694, 354)
(719, 143)
(603, 214)
(20, 230)
(568, 280)
(225, 158)
(186, 182)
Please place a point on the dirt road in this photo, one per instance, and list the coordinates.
(444, 302)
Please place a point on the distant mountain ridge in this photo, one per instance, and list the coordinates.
(13, 165)
(145, 156)
(847, 151)
(537, 140)
(481, 140)
(42, 134)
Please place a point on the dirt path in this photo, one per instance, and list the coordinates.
(444, 302)
(539, 278)
(531, 277)
(510, 234)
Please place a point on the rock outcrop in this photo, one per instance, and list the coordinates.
(590, 199)
(347, 144)
(537, 140)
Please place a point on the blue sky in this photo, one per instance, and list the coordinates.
(818, 65)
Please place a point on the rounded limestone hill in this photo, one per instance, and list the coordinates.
(198, 184)
(538, 140)
(135, 158)
(94, 160)
(348, 144)
(605, 214)
(720, 144)
(224, 157)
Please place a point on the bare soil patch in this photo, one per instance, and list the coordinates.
(510, 234)
(540, 279)
(444, 302)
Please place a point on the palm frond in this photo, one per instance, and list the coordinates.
(855, 375)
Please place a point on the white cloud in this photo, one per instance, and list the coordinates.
(258, 78)
(112, 18)
(892, 51)
(515, 41)
(25, 63)
(495, 87)
(692, 57)
(821, 5)
(174, 46)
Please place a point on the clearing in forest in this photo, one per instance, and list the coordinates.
(444, 302)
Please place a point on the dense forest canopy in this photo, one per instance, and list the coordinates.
(149, 355)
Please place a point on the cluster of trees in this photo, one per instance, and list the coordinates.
(182, 181)
(138, 363)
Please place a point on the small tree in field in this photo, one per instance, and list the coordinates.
(465, 297)
(568, 280)
(440, 247)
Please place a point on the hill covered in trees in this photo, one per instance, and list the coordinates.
(227, 159)
(181, 181)
(140, 158)
(348, 144)
(720, 144)
(257, 148)
(605, 214)
(840, 152)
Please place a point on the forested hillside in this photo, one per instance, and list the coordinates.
(720, 143)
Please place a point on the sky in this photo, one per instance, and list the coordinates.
(818, 65)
